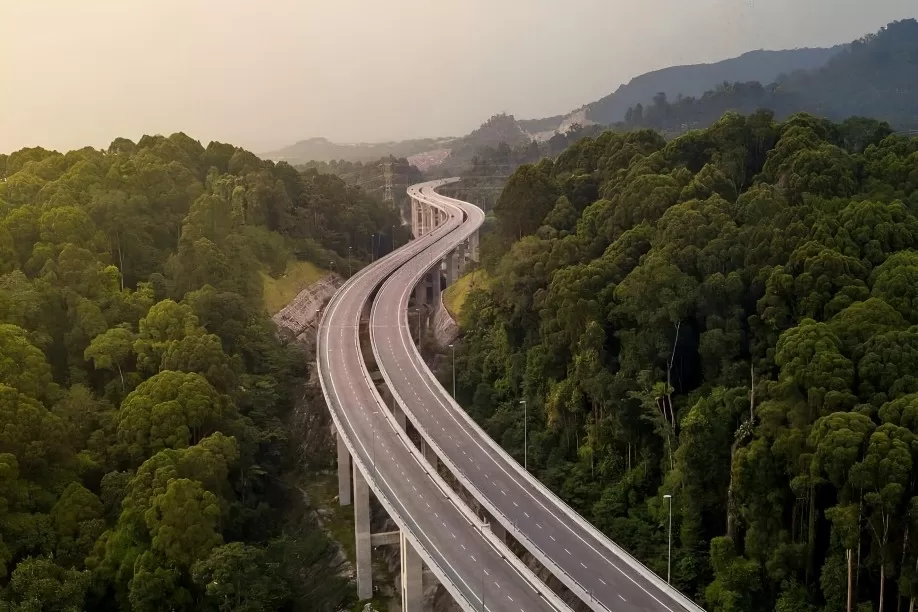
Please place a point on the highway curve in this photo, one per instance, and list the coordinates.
(479, 574)
(598, 571)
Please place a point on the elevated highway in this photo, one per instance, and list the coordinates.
(594, 568)
(435, 528)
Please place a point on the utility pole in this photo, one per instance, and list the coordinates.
(669, 561)
(525, 435)
(453, 347)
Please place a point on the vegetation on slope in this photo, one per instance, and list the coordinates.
(455, 295)
(730, 318)
(143, 388)
(873, 77)
(694, 80)
(278, 292)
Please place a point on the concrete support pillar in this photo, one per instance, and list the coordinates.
(420, 219)
(400, 417)
(344, 472)
(412, 577)
(364, 548)
(429, 454)
(414, 218)
(435, 282)
(498, 530)
(424, 324)
(452, 267)
(473, 246)
(420, 293)
(460, 256)
(426, 215)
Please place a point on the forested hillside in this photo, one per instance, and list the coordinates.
(143, 389)
(370, 177)
(731, 318)
(875, 76)
(693, 81)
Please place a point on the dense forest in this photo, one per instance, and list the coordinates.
(143, 389)
(486, 173)
(731, 318)
(874, 77)
(763, 66)
(371, 177)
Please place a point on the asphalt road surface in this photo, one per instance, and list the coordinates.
(477, 570)
(598, 571)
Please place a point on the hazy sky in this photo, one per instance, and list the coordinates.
(267, 73)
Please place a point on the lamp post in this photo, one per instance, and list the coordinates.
(393, 237)
(372, 248)
(669, 561)
(348, 262)
(525, 435)
(453, 347)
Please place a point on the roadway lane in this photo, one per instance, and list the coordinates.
(466, 561)
(601, 574)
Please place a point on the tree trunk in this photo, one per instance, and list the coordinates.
(901, 565)
(811, 532)
(669, 372)
(882, 585)
(850, 554)
(731, 519)
(121, 375)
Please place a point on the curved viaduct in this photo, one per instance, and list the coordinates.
(466, 553)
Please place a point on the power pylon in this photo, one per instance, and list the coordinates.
(387, 196)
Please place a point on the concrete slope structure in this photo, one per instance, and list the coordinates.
(599, 572)
(435, 528)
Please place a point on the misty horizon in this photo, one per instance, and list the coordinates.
(267, 76)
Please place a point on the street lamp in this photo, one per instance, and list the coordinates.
(348, 262)
(669, 562)
(525, 435)
(453, 347)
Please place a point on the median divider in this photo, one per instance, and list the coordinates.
(600, 538)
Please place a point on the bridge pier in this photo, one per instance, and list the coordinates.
(452, 267)
(412, 577)
(496, 528)
(362, 537)
(400, 417)
(461, 252)
(425, 228)
(473, 246)
(420, 293)
(429, 454)
(433, 279)
(344, 471)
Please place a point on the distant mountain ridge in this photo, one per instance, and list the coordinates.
(791, 66)
(696, 79)
(875, 77)
(322, 149)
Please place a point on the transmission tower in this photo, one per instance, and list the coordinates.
(387, 196)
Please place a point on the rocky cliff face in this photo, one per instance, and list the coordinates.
(311, 423)
(444, 328)
(299, 318)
